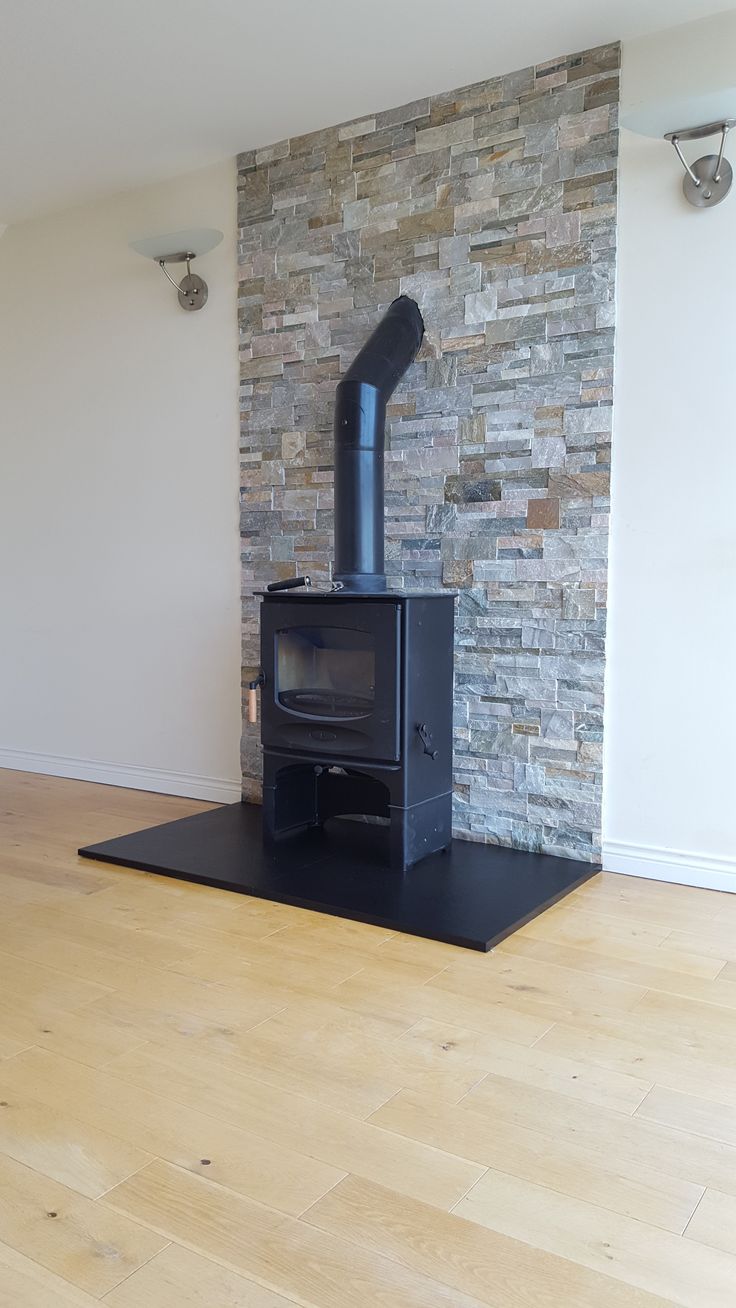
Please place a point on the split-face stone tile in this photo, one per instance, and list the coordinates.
(494, 206)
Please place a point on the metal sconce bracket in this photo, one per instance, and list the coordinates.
(181, 247)
(192, 290)
(708, 180)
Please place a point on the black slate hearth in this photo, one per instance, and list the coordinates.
(473, 895)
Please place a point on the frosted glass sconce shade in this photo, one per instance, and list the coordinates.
(171, 247)
(708, 180)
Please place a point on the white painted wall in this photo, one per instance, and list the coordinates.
(119, 591)
(670, 760)
(119, 648)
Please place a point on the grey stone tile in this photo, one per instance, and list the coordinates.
(494, 206)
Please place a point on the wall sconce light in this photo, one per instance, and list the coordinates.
(708, 180)
(181, 247)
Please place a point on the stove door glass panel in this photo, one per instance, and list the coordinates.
(326, 672)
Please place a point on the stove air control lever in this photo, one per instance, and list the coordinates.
(425, 735)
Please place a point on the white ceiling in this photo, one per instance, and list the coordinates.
(97, 96)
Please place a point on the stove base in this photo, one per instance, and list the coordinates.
(472, 895)
(297, 795)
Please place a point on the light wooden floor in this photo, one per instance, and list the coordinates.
(218, 1102)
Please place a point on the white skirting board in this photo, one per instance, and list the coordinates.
(217, 790)
(679, 866)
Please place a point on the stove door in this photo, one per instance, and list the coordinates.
(332, 677)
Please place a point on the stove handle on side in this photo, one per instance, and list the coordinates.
(253, 686)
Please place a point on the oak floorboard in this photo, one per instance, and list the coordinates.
(544, 989)
(688, 1113)
(571, 919)
(634, 899)
(655, 975)
(36, 984)
(534, 1066)
(706, 1025)
(623, 908)
(282, 1254)
(580, 1168)
(192, 1138)
(703, 1033)
(490, 1015)
(42, 924)
(178, 1278)
(299, 1122)
(312, 929)
(488, 1264)
(231, 1102)
(640, 1054)
(718, 940)
(634, 1138)
(633, 1252)
(611, 885)
(714, 1222)
(26, 1284)
(79, 1239)
(152, 1019)
(339, 1070)
(50, 1141)
(359, 1059)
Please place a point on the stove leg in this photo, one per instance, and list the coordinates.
(399, 840)
(289, 801)
(421, 829)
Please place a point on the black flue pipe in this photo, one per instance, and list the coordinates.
(360, 421)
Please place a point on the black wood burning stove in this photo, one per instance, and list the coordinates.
(357, 714)
(356, 682)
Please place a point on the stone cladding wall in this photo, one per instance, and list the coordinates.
(494, 206)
